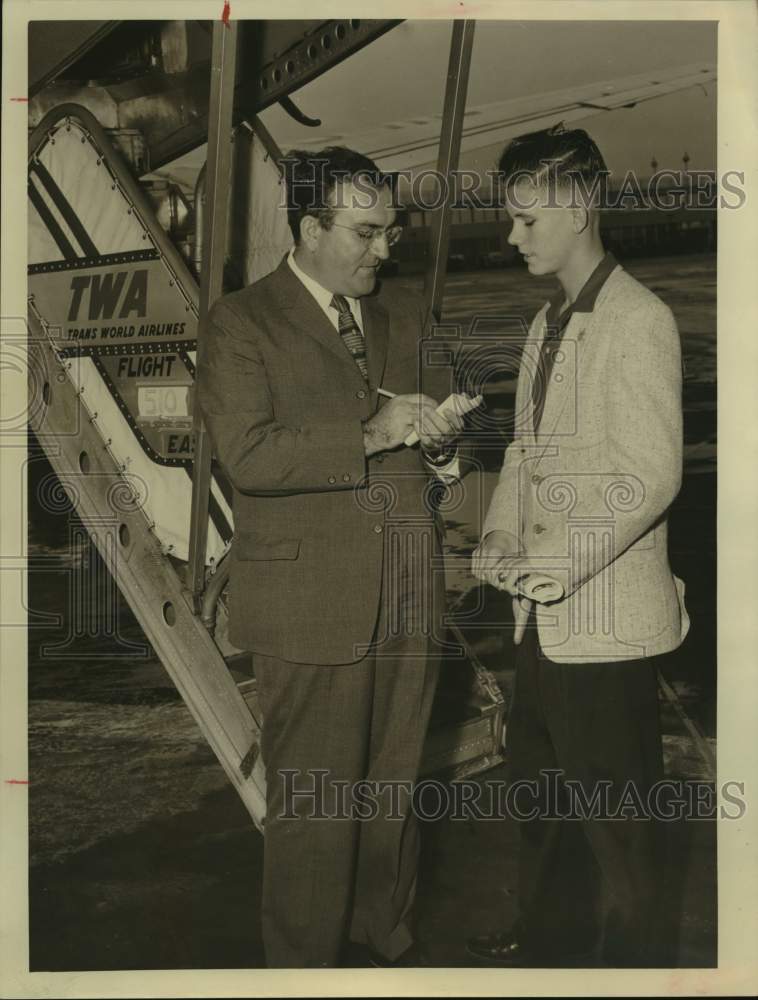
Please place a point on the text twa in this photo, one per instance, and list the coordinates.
(106, 292)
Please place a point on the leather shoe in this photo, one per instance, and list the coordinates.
(500, 948)
(508, 948)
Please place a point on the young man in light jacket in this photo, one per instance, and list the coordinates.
(576, 532)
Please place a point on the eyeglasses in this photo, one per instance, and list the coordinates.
(367, 235)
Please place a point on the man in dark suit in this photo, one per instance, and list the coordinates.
(333, 585)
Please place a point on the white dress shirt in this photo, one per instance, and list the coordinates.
(324, 297)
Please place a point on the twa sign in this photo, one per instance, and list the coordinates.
(132, 304)
(108, 295)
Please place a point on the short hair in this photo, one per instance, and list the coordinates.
(556, 155)
(311, 178)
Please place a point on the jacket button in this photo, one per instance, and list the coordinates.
(558, 378)
(559, 356)
(536, 480)
(538, 529)
(361, 394)
(332, 479)
(346, 478)
(378, 529)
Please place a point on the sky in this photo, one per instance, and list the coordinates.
(402, 75)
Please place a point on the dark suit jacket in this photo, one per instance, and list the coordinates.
(283, 402)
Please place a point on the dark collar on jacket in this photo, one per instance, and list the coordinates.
(556, 320)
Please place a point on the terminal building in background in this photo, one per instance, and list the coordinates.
(479, 236)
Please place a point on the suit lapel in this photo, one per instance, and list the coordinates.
(524, 403)
(563, 377)
(376, 333)
(304, 313)
(577, 342)
(562, 407)
(579, 337)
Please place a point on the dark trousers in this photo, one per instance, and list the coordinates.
(330, 875)
(586, 880)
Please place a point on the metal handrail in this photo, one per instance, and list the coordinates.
(461, 46)
(219, 161)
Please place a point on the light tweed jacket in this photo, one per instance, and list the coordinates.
(587, 497)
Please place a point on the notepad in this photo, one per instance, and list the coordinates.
(541, 588)
(456, 402)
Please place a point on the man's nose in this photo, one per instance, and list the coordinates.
(513, 237)
(380, 246)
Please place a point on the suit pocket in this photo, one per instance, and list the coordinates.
(255, 547)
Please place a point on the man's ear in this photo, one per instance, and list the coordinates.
(580, 219)
(310, 232)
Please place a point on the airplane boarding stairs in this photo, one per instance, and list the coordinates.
(112, 328)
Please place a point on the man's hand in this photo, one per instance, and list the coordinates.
(453, 410)
(494, 562)
(413, 412)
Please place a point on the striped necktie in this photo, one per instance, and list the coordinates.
(351, 333)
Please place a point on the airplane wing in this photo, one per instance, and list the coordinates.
(413, 143)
